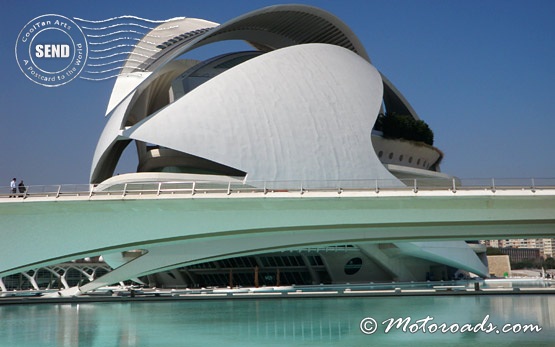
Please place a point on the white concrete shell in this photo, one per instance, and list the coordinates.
(138, 67)
(269, 29)
(301, 112)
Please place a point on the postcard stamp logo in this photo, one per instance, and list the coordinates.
(51, 50)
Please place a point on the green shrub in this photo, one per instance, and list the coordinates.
(405, 127)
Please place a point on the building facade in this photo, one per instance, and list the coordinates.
(303, 105)
(545, 246)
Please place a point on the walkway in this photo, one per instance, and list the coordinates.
(193, 225)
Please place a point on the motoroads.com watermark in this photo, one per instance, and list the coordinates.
(427, 325)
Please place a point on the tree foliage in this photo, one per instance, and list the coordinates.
(405, 127)
(548, 263)
(494, 251)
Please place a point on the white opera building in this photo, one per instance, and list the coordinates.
(301, 105)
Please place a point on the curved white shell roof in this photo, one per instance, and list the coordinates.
(267, 29)
(302, 111)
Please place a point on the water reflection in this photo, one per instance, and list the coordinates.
(274, 322)
(535, 308)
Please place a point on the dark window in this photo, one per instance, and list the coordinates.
(353, 266)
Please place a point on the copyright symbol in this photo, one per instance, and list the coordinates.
(368, 325)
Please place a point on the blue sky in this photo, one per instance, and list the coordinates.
(480, 73)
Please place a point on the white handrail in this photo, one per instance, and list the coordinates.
(230, 187)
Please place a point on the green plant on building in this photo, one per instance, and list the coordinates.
(396, 126)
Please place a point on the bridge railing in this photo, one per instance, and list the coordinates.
(51, 190)
(507, 183)
(232, 187)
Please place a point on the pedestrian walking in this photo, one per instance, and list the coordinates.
(21, 188)
(13, 187)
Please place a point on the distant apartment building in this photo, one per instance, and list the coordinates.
(549, 248)
(517, 255)
(546, 247)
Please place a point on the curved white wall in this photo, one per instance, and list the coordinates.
(303, 112)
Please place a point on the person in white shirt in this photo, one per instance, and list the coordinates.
(13, 186)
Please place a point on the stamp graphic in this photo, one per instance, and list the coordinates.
(51, 50)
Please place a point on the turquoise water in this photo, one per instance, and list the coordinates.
(279, 322)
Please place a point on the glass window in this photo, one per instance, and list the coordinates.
(353, 266)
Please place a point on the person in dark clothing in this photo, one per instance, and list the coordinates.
(21, 188)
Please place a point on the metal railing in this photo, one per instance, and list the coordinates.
(220, 187)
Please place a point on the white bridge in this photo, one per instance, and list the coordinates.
(184, 223)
